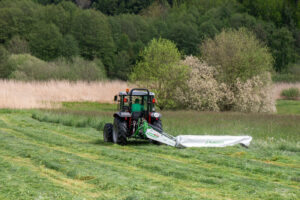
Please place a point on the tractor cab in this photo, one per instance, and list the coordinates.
(134, 107)
(138, 103)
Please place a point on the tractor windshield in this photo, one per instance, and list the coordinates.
(137, 100)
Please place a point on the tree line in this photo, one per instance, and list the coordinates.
(115, 31)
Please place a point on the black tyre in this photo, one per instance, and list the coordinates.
(119, 131)
(108, 132)
(157, 124)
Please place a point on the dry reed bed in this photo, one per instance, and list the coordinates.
(19, 94)
(278, 87)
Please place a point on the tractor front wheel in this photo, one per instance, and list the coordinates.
(108, 132)
(119, 131)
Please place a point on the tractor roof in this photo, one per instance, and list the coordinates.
(137, 93)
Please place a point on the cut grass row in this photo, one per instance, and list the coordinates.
(70, 119)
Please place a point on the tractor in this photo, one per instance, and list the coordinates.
(136, 114)
(137, 118)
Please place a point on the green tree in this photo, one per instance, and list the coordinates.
(6, 68)
(57, 15)
(114, 7)
(122, 60)
(281, 12)
(17, 17)
(237, 54)
(45, 41)
(282, 47)
(208, 29)
(69, 47)
(185, 35)
(134, 26)
(17, 45)
(269, 10)
(160, 71)
(123, 43)
(238, 20)
(122, 66)
(92, 31)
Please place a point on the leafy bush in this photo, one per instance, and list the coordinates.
(291, 93)
(160, 71)
(254, 95)
(205, 92)
(32, 68)
(237, 54)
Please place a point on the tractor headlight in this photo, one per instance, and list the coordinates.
(156, 115)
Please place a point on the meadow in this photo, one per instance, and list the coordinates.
(60, 154)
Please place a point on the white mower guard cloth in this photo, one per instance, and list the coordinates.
(211, 141)
(161, 137)
(197, 140)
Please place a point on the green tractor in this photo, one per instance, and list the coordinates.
(136, 114)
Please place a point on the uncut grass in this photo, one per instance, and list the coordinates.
(263, 171)
(288, 107)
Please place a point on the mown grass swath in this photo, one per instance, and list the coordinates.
(70, 120)
(54, 161)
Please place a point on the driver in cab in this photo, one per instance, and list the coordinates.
(137, 107)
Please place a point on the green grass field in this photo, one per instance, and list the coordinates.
(60, 154)
(288, 107)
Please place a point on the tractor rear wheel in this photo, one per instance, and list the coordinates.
(119, 131)
(158, 124)
(108, 132)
